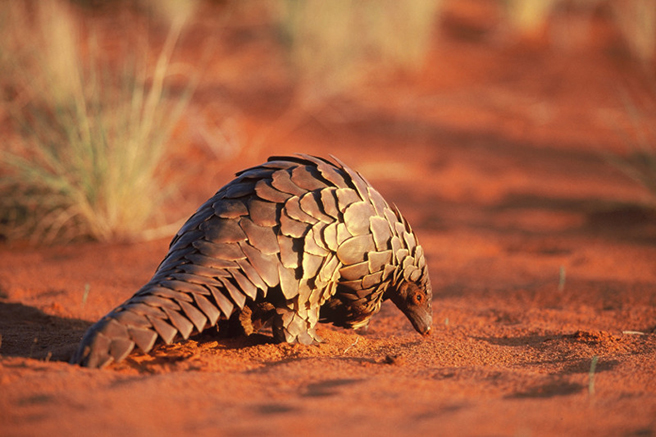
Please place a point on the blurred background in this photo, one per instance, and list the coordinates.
(118, 118)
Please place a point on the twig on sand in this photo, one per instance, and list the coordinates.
(633, 333)
(591, 375)
(561, 281)
(354, 343)
(85, 296)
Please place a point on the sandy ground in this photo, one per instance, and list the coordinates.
(541, 253)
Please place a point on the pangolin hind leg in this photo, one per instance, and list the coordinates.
(290, 327)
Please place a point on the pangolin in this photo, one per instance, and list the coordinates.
(289, 243)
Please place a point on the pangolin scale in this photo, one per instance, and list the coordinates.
(292, 242)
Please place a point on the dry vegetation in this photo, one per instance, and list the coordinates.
(639, 161)
(328, 59)
(635, 19)
(88, 142)
(90, 137)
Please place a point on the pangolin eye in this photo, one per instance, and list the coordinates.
(418, 298)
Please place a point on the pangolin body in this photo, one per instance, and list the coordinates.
(294, 241)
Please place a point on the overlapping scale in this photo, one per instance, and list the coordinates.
(329, 202)
(345, 197)
(180, 322)
(293, 210)
(248, 271)
(225, 251)
(356, 218)
(355, 249)
(144, 338)
(282, 181)
(307, 178)
(265, 264)
(263, 238)
(265, 191)
(229, 208)
(310, 204)
(131, 318)
(263, 213)
(222, 230)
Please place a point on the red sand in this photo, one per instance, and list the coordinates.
(541, 255)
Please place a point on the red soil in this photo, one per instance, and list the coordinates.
(541, 254)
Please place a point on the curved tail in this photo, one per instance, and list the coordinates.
(108, 341)
(153, 313)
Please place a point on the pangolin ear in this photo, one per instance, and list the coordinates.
(402, 290)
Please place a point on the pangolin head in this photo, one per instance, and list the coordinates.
(411, 289)
(414, 299)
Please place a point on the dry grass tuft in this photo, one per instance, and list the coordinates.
(89, 138)
(529, 15)
(639, 163)
(335, 44)
(636, 19)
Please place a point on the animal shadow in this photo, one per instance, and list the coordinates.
(30, 333)
(328, 387)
